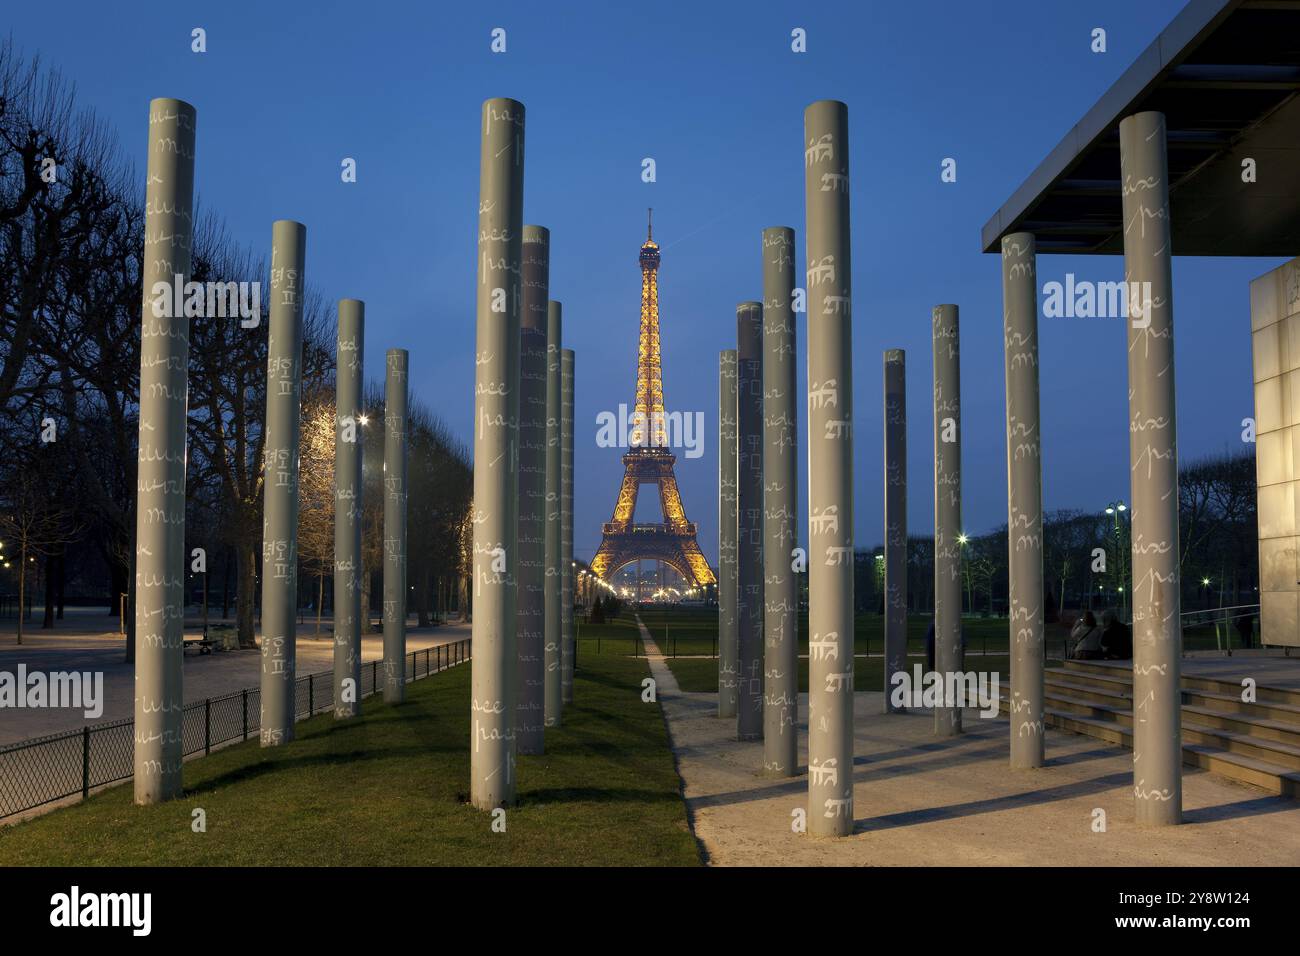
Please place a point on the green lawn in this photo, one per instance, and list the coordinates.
(389, 790)
(616, 638)
(692, 631)
(689, 632)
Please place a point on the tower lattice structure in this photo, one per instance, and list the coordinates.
(649, 462)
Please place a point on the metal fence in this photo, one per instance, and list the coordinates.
(44, 769)
(1234, 628)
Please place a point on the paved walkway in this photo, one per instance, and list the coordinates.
(206, 675)
(922, 800)
(665, 681)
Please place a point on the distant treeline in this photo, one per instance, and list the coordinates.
(1216, 535)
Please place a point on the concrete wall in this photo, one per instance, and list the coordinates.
(1275, 341)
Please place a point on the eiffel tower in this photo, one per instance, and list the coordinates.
(649, 462)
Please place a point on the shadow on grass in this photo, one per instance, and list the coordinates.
(604, 680)
(627, 727)
(570, 795)
(252, 771)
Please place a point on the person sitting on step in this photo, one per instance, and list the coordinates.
(1085, 638)
(1116, 639)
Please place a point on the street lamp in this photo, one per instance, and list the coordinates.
(1115, 509)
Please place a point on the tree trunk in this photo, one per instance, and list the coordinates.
(364, 624)
(118, 578)
(47, 620)
(422, 599)
(129, 616)
(320, 601)
(62, 566)
(225, 586)
(246, 594)
(22, 588)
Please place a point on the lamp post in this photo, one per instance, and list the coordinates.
(963, 565)
(1115, 509)
(878, 572)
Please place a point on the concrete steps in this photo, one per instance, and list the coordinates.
(1256, 743)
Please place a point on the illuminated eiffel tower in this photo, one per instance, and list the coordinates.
(649, 462)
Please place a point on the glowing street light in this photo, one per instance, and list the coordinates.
(1115, 509)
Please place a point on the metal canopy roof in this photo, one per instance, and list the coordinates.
(1225, 73)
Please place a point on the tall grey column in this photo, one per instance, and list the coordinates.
(566, 524)
(554, 578)
(280, 482)
(495, 657)
(396, 386)
(161, 561)
(749, 519)
(830, 470)
(728, 585)
(895, 520)
(780, 508)
(947, 508)
(531, 713)
(1153, 454)
(1024, 498)
(348, 385)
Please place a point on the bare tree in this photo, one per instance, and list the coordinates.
(35, 521)
(316, 490)
(440, 484)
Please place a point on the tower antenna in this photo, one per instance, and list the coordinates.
(650, 223)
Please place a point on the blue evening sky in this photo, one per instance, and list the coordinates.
(714, 94)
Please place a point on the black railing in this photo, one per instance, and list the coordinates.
(44, 769)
